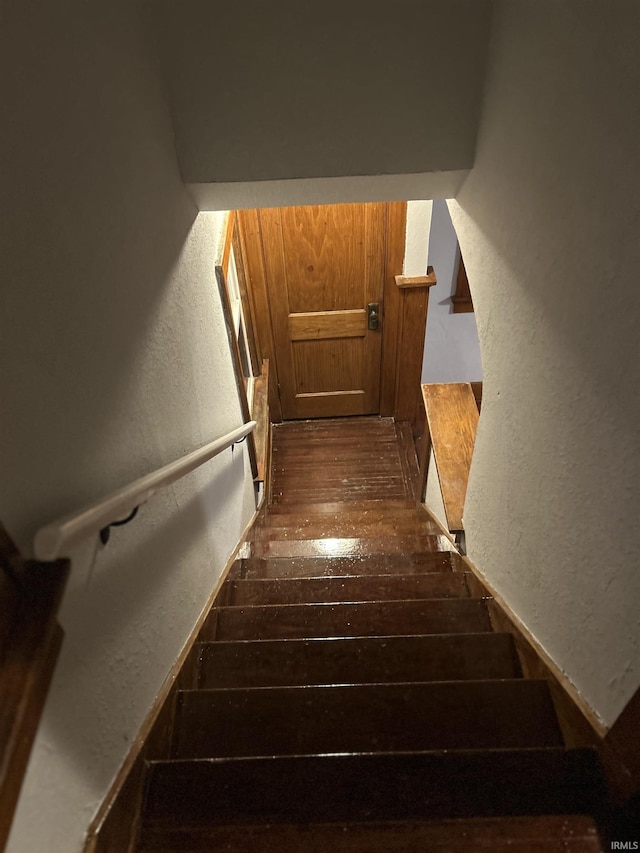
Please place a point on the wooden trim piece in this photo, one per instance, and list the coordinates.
(428, 280)
(115, 826)
(461, 305)
(237, 365)
(452, 416)
(580, 725)
(247, 303)
(408, 459)
(461, 299)
(394, 258)
(325, 325)
(228, 242)
(476, 387)
(260, 414)
(623, 739)
(323, 404)
(268, 491)
(32, 639)
(414, 304)
(423, 448)
(254, 267)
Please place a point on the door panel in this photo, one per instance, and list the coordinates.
(325, 325)
(324, 265)
(327, 366)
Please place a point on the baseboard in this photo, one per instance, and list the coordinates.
(619, 747)
(113, 829)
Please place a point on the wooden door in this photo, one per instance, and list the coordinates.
(324, 266)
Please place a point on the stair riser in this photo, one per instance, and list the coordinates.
(358, 661)
(375, 588)
(446, 616)
(367, 718)
(380, 787)
(565, 834)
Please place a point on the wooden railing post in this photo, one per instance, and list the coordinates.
(414, 304)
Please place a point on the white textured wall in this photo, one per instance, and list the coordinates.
(433, 493)
(417, 237)
(451, 347)
(548, 225)
(114, 361)
(248, 194)
(323, 90)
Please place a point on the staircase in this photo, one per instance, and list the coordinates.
(351, 694)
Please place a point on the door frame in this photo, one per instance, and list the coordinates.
(394, 342)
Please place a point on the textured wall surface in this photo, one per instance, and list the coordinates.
(417, 237)
(548, 225)
(241, 194)
(114, 361)
(433, 493)
(323, 90)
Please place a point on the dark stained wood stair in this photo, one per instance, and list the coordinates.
(350, 693)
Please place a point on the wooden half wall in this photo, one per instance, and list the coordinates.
(449, 434)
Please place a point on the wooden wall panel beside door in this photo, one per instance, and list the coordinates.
(252, 261)
(394, 260)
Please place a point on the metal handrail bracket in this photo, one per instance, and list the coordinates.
(71, 529)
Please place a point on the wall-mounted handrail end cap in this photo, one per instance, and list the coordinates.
(46, 543)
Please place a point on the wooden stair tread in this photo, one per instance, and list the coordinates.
(445, 784)
(359, 564)
(531, 834)
(512, 713)
(353, 660)
(343, 528)
(344, 588)
(353, 546)
(274, 621)
(360, 515)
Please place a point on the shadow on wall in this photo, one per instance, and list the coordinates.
(548, 225)
(90, 331)
(98, 221)
(115, 604)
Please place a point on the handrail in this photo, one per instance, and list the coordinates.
(67, 531)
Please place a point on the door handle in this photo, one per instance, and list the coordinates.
(373, 316)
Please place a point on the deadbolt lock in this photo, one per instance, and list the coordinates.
(373, 316)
